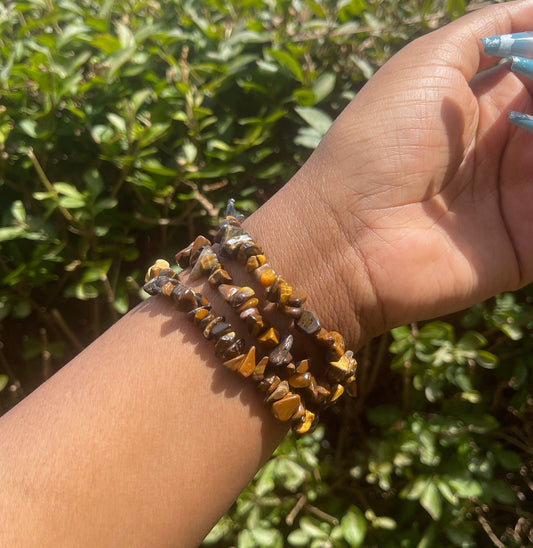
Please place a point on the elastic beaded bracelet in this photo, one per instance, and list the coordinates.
(285, 405)
(200, 257)
(236, 243)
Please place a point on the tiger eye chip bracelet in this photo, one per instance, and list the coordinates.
(202, 260)
(285, 405)
(275, 372)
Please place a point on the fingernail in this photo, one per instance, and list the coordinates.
(519, 44)
(521, 120)
(522, 66)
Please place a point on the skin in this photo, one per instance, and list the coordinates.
(416, 204)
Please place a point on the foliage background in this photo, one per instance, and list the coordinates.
(124, 128)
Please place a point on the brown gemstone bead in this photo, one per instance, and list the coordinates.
(254, 262)
(350, 386)
(299, 413)
(224, 343)
(269, 338)
(290, 369)
(247, 366)
(302, 367)
(197, 246)
(183, 256)
(240, 297)
(292, 311)
(227, 232)
(208, 330)
(333, 341)
(297, 298)
(220, 329)
(322, 393)
(312, 389)
(234, 363)
(204, 322)
(285, 408)
(227, 291)
(281, 354)
(268, 383)
(197, 314)
(248, 249)
(342, 368)
(300, 380)
(283, 294)
(259, 370)
(186, 300)
(250, 303)
(280, 391)
(231, 246)
(156, 268)
(308, 323)
(254, 321)
(307, 425)
(220, 276)
(336, 392)
(234, 349)
(206, 263)
(274, 288)
(167, 289)
(267, 277)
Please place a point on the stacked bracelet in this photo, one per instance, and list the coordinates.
(296, 389)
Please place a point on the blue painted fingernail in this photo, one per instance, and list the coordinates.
(521, 120)
(522, 66)
(519, 44)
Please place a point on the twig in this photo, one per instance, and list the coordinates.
(110, 296)
(66, 329)
(46, 363)
(300, 503)
(487, 528)
(322, 515)
(212, 210)
(48, 185)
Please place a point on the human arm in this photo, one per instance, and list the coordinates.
(145, 440)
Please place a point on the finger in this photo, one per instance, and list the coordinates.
(460, 41)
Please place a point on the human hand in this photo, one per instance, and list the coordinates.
(417, 201)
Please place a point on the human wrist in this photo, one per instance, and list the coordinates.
(304, 241)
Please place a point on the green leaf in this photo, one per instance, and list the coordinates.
(288, 61)
(298, 538)
(317, 119)
(324, 85)
(353, 525)
(431, 501)
(4, 381)
(465, 488)
(309, 526)
(486, 359)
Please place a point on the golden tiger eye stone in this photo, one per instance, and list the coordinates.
(206, 263)
(248, 363)
(336, 392)
(342, 368)
(224, 343)
(254, 262)
(302, 366)
(156, 268)
(308, 323)
(280, 391)
(269, 383)
(220, 276)
(234, 363)
(250, 303)
(167, 289)
(248, 249)
(299, 413)
(285, 408)
(283, 294)
(333, 341)
(209, 327)
(300, 380)
(297, 298)
(267, 277)
(269, 338)
(307, 425)
(350, 386)
(183, 256)
(197, 245)
(241, 296)
(227, 291)
(259, 370)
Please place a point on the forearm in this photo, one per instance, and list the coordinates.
(145, 439)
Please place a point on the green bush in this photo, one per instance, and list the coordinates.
(124, 128)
